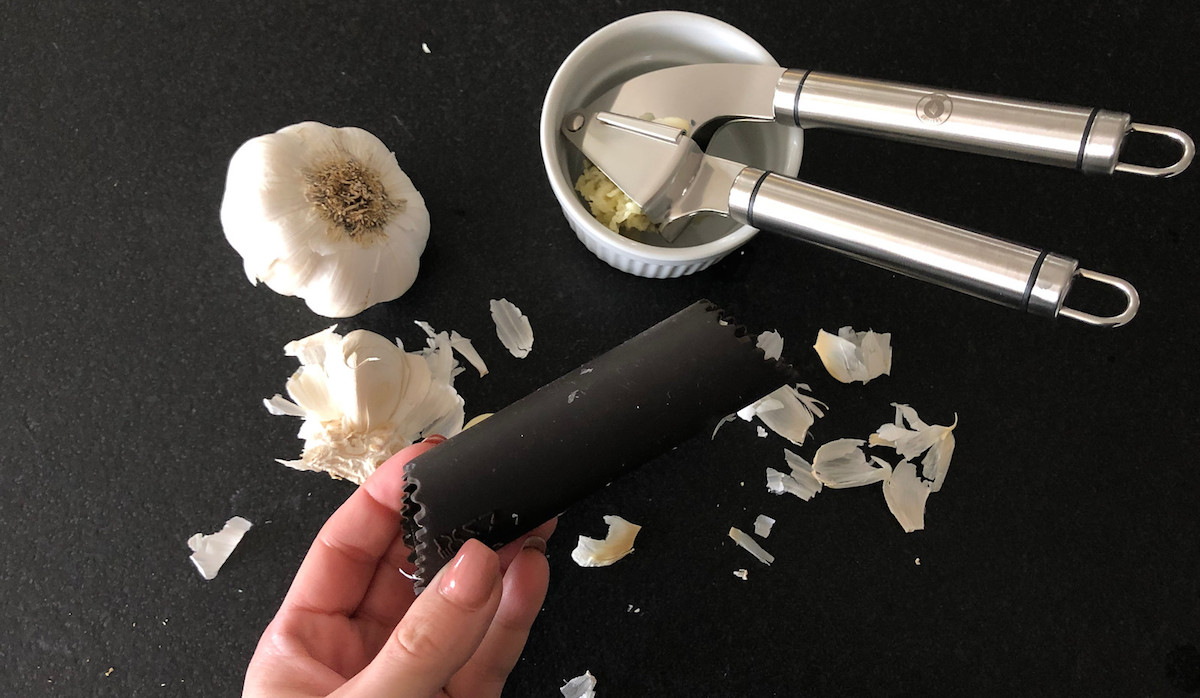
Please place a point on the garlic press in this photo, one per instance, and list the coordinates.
(673, 180)
(667, 172)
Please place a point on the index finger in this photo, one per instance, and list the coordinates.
(339, 566)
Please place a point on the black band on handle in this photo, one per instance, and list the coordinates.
(1033, 275)
(527, 463)
(796, 101)
(754, 195)
(1087, 130)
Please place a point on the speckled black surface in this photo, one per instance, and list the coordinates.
(1061, 558)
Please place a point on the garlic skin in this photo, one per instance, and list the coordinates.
(209, 552)
(364, 398)
(935, 441)
(590, 552)
(325, 214)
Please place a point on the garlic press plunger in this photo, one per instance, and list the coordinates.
(667, 173)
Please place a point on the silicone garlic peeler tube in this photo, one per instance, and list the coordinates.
(530, 461)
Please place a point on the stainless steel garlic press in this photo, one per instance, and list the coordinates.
(668, 174)
(673, 180)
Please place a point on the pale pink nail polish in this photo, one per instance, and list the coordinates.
(471, 576)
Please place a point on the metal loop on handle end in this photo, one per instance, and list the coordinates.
(1131, 297)
(1189, 151)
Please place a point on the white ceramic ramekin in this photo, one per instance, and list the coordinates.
(618, 52)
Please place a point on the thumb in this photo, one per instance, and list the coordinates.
(440, 631)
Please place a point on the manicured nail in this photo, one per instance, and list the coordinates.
(433, 439)
(535, 542)
(471, 576)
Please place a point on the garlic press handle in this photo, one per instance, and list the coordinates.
(1007, 273)
(1089, 140)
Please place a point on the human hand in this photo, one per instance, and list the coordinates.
(351, 626)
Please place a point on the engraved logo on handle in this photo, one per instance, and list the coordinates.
(934, 108)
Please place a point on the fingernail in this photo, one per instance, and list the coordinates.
(433, 439)
(471, 575)
(535, 542)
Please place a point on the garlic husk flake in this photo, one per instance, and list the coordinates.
(512, 327)
(750, 545)
(906, 493)
(855, 356)
(460, 344)
(364, 398)
(935, 441)
(763, 525)
(842, 463)
(325, 214)
(771, 344)
(209, 552)
(786, 411)
(590, 552)
(580, 687)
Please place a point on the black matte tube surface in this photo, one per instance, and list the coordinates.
(527, 463)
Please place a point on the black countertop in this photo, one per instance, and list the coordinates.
(1061, 558)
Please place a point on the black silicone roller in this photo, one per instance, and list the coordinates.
(527, 463)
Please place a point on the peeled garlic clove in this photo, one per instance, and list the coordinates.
(325, 214)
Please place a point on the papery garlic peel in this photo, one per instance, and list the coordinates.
(512, 327)
(855, 356)
(364, 398)
(590, 552)
(209, 552)
(325, 214)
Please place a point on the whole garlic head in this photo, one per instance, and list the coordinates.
(325, 214)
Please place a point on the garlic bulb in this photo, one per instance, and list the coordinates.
(364, 398)
(325, 214)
